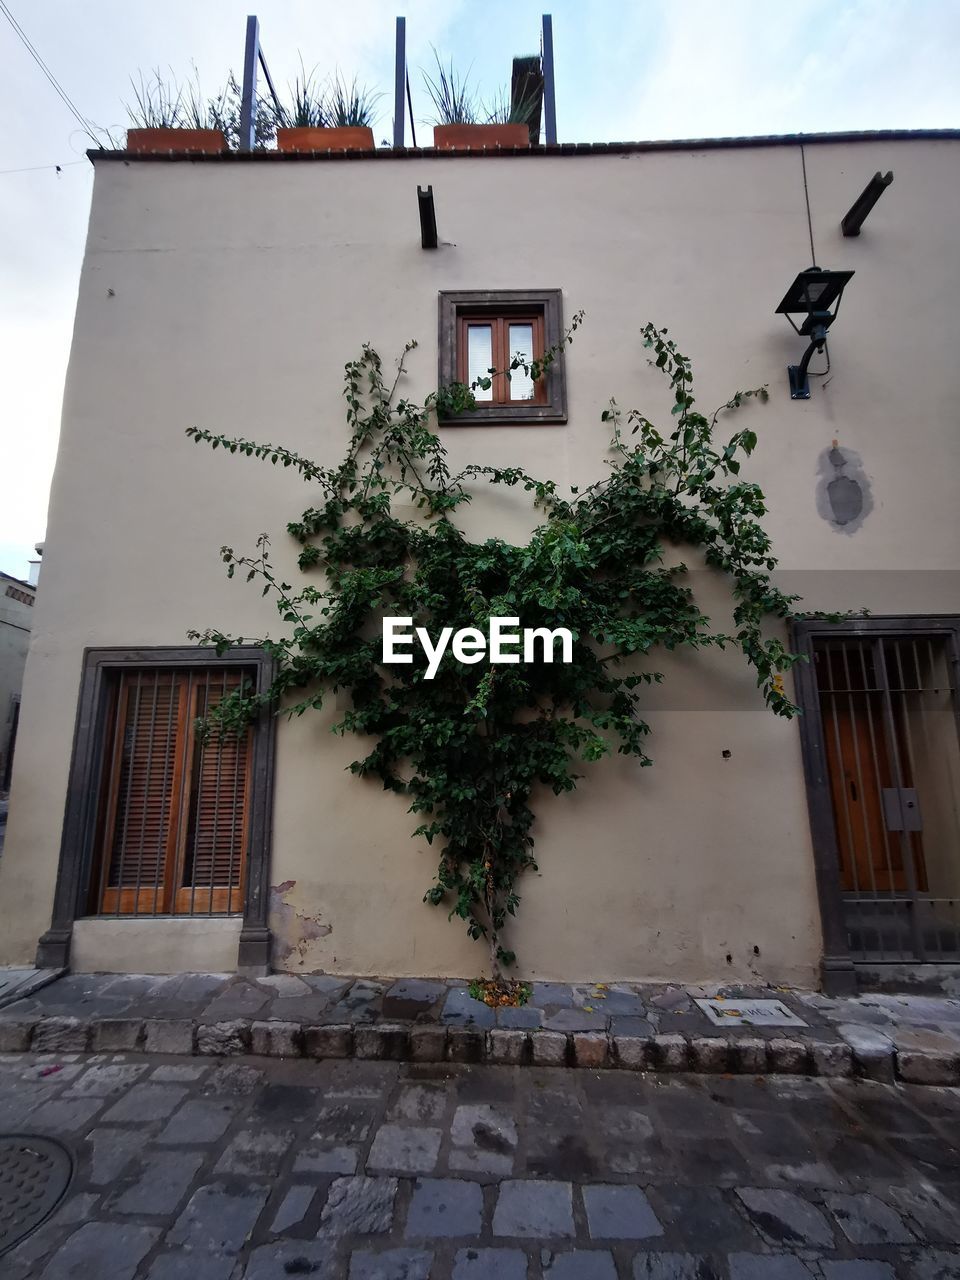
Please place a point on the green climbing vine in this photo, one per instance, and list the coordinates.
(473, 747)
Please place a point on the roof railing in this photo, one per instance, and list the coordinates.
(254, 60)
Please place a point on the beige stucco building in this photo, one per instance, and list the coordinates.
(229, 292)
(17, 599)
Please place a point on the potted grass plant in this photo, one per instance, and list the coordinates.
(335, 117)
(223, 113)
(463, 122)
(166, 116)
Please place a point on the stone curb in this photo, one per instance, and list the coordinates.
(592, 1050)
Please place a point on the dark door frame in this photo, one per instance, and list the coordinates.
(86, 765)
(838, 973)
(11, 742)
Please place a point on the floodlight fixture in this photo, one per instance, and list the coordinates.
(811, 296)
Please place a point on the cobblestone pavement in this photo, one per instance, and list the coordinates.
(872, 1024)
(262, 1169)
(618, 1008)
(641, 1026)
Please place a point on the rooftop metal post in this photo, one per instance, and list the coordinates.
(248, 100)
(413, 127)
(399, 84)
(273, 93)
(549, 89)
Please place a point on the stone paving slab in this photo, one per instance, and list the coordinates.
(631, 1026)
(158, 1193)
(20, 983)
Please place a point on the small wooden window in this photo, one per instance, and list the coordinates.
(480, 331)
(491, 342)
(174, 817)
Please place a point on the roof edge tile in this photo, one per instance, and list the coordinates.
(561, 149)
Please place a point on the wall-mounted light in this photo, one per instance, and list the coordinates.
(811, 295)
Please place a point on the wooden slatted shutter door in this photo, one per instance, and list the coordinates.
(175, 811)
(214, 860)
(141, 824)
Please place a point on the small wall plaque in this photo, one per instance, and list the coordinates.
(749, 1013)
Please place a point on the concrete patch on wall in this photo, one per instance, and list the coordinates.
(844, 497)
(155, 944)
(296, 933)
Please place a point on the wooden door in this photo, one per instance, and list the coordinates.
(140, 831)
(859, 718)
(174, 812)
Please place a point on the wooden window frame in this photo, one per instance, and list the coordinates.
(78, 866)
(544, 306)
(500, 325)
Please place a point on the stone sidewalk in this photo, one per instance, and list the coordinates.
(19, 983)
(263, 1170)
(623, 1025)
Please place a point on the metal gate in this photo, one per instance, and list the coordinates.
(887, 783)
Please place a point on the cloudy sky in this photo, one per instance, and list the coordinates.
(626, 70)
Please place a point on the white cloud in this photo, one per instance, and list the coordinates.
(755, 67)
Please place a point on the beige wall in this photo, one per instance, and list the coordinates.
(230, 295)
(15, 621)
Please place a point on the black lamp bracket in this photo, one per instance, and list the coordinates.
(797, 373)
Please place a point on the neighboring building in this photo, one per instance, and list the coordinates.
(229, 292)
(17, 599)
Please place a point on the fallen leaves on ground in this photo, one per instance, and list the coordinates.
(503, 993)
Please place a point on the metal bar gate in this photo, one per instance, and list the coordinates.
(888, 721)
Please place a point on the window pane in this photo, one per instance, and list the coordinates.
(479, 356)
(521, 344)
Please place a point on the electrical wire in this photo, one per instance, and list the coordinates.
(821, 373)
(61, 92)
(42, 168)
(31, 49)
(806, 196)
(813, 255)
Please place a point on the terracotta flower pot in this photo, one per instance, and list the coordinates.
(480, 137)
(185, 141)
(343, 138)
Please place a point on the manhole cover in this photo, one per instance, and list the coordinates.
(34, 1174)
